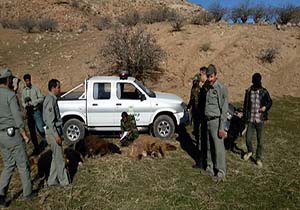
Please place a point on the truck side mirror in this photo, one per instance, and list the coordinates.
(142, 97)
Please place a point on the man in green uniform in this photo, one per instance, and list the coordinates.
(216, 107)
(58, 173)
(11, 143)
(32, 101)
(128, 125)
(194, 104)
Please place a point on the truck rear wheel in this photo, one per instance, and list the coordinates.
(163, 127)
(73, 131)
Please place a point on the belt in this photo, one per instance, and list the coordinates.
(212, 118)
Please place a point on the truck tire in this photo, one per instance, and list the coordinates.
(74, 131)
(163, 127)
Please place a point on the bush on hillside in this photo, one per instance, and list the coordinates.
(159, 14)
(201, 18)
(177, 22)
(258, 12)
(8, 23)
(217, 11)
(286, 13)
(103, 23)
(267, 55)
(135, 50)
(241, 12)
(27, 23)
(132, 18)
(47, 24)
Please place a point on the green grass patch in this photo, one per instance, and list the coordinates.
(117, 182)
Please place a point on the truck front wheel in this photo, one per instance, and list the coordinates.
(163, 127)
(73, 131)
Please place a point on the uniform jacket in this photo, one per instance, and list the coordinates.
(130, 125)
(265, 100)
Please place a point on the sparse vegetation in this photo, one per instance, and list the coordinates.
(267, 55)
(217, 11)
(47, 24)
(201, 18)
(258, 12)
(27, 23)
(159, 14)
(8, 23)
(177, 22)
(285, 13)
(135, 50)
(205, 47)
(241, 12)
(132, 18)
(103, 23)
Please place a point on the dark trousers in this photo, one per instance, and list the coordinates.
(35, 122)
(258, 128)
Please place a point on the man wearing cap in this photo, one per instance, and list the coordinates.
(194, 104)
(257, 103)
(32, 101)
(128, 124)
(216, 107)
(11, 143)
(58, 174)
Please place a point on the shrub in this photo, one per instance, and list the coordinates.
(217, 11)
(258, 12)
(201, 18)
(47, 24)
(205, 47)
(135, 50)
(267, 55)
(285, 13)
(103, 23)
(270, 14)
(132, 18)
(27, 23)
(159, 14)
(177, 22)
(241, 12)
(7, 23)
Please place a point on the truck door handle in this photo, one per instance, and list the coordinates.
(95, 104)
(118, 104)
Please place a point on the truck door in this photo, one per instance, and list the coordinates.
(100, 106)
(134, 101)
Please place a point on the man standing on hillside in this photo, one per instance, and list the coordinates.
(58, 173)
(32, 101)
(194, 104)
(11, 144)
(216, 107)
(256, 106)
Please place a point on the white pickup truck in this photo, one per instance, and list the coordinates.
(97, 104)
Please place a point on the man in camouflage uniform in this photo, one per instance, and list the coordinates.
(194, 104)
(128, 124)
(58, 174)
(216, 107)
(32, 101)
(11, 143)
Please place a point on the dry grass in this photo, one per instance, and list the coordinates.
(117, 182)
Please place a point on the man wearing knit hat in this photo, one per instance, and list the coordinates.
(256, 105)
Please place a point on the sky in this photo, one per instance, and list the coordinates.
(230, 3)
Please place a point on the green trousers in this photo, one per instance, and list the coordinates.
(58, 172)
(215, 148)
(14, 154)
(258, 128)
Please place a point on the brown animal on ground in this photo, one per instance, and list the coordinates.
(149, 146)
(97, 146)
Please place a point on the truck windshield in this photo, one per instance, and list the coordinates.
(149, 92)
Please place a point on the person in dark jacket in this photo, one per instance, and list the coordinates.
(257, 103)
